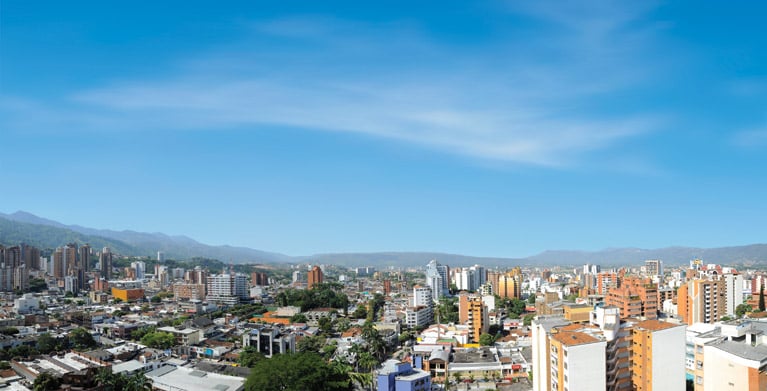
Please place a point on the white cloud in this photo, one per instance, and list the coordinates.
(529, 101)
(751, 138)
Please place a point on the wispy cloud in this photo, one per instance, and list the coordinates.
(752, 138)
(534, 101)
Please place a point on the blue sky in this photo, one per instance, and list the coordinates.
(494, 128)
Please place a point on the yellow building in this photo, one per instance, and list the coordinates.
(128, 295)
(510, 286)
(577, 313)
(472, 312)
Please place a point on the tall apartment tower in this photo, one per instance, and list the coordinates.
(472, 312)
(510, 286)
(658, 354)
(85, 257)
(422, 297)
(70, 258)
(733, 289)
(30, 256)
(606, 281)
(653, 267)
(578, 362)
(105, 260)
(701, 301)
(636, 298)
(58, 263)
(315, 277)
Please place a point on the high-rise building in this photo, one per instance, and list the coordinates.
(85, 257)
(438, 278)
(259, 279)
(12, 257)
(140, 269)
(492, 279)
(510, 286)
(387, 287)
(606, 281)
(228, 289)
(653, 267)
(196, 276)
(58, 263)
(105, 261)
(70, 259)
(578, 362)
(658, 356)
(30, 256)
(479, 276)
(635, 298)
(701, 301)
(315, 277)
(160, 256)
(472, 312)
(422, 297)
(610, 353)
(733, 290)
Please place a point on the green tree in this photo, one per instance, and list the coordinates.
(761, 297)
(343, 324)
(742, 309)
(311, 344)
(159, 340)
(156, 299)
(46, 382)
(531, 299)
(361, 312)
(296, 372)
(9, 331)
(47, 344)
(325, 325)
(109, 381)
(298, 318)
(486, 339)
(528, 319)
(80, 338)
(249, 356)
(516, 306)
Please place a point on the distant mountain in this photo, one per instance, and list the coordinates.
(50, 232)
(44, 233)
(44, 236)
(743, 255)
(400, 259)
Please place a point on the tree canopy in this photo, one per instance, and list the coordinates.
(159, 340)
(321, 295)
(80, 338)
(486, 339)
(303, 371)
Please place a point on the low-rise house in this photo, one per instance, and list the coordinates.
(401, 376)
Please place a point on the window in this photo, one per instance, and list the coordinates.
(699, 380)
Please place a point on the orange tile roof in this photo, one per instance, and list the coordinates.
(655, 325)
(570, 338)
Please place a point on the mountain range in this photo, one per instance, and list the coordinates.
(43, 233)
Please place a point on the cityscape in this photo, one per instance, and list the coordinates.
(339, 195)
(79, 317)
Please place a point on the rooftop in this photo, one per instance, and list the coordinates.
(473, 355)
(754, 353)
(655, 325)
(175, 378)
(572, 338)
